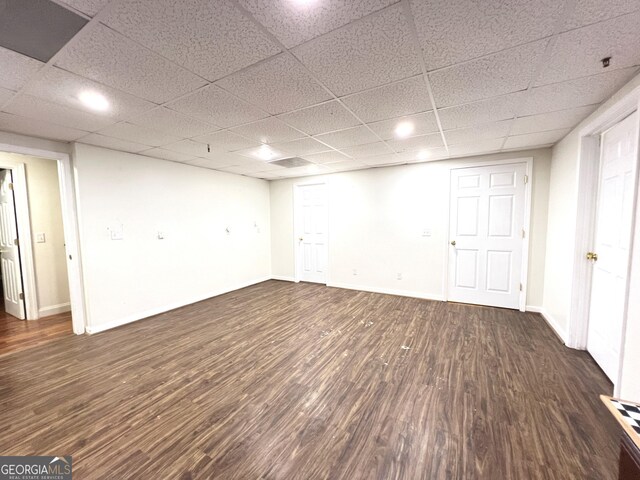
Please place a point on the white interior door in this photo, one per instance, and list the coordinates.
(311, 233)
(487, 215)
(9, 251)
(611, 243)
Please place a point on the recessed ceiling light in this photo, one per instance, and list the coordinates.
(404, 129)
(423, 155)
(94, 100)
(265, 153)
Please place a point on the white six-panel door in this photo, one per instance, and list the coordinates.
(486, 233)
(612, 239)
(311, 233)
(9, 251)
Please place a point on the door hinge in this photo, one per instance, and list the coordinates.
(21, 296)
(523, 234)
(16, 242)
(10, 186)
(520, 287)
(526, 179)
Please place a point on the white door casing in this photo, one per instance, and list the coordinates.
(9, 250)
(612, 244)
(487, 235)
(311, 233)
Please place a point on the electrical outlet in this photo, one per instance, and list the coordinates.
(426, 232)
(160, 235)
(355, 272)
(40, 238)
(116, 233)
(399, 276)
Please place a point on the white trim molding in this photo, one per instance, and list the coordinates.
(560, 332)
(55, 309)
(388, 291)
(284, 278)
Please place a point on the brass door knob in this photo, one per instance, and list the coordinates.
(300, 239)
(453, 242)
(592, 256)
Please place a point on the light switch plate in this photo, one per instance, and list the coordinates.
(117, 233)
(41, 238)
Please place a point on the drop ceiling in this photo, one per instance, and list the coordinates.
(207, 83)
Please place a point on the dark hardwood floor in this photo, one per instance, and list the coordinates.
(300, 381)
(16, 334)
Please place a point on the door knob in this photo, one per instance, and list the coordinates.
(300, 239)
(592, 256)
(453, 242)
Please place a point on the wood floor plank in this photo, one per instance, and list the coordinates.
(288, 381)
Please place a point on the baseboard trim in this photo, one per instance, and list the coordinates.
(54, 309)
(388, 291)
(91, 329)
(284, 278)
(552, 322)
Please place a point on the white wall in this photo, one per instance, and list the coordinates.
(376, 220)
(45, 214)
(140, 275)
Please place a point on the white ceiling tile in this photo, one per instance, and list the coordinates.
(188, 147)
(304, 171)
(113, 143)
(38, 128)
(416, 143)
(63, 87)
(32, 107)
(451, 32)
(269, 130)
(505, 72)
(210, 38)
(349, 137)
(326, 117)
(16, 69)
(378, 160)
(213, 105)
(296, 22)
(327, 157)
(88, 7)
(551, 121)
(347, 165)
(423, 123)
(368, 150)
(136, 133)
(483, 111)
(5, 95)
(252, 167)
(575, 93)
(586, 12)
(277, 85)
(425, 155)
(172, 122)
(481, 132)
(302, 146)
(168, 155)
(255, 154)
(226, 141)
(394, 100)
(110, 58)
(578, 53)
(373, 51)
(476, 148)
(535, 139)
(216, 162)
(272, 175)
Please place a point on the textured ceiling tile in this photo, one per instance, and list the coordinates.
(113, 143)
(400, 98)
(296, 22)
(226, 141)
(368, 150)
(110, 58)
(575, 93)
(303, 146)
(276, 85)
(5, 95)
(255, 154)
(551, 121)
(326, 157)
(454, 31)
(480, 132)
(37, 128)
(63, 88)
(32, 107)
(578, 53)
(210, 38)
(327, 117)
(16, 69)
(535, 139)
(365, 54)
(213, 105)
(346, 166)
(424, 155)
(416, 143)
(216, 162)
(379, 160)
(188, 147)
(304, 171)
(586, 12)
(88, 7)
(483, 111)
(168, 155)
(135, 133)
(251, 167)
(423, 123)
(349, 137)
(269, 130)
(172, 122)
(476, 148)
(504, 72)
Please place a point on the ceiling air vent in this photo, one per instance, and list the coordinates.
(291, 162)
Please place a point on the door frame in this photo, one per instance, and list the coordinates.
(296, 224)
(71, 233)
(588, 176)
(528, 161)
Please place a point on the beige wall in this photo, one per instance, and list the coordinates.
(45, 213)
(376, 220)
